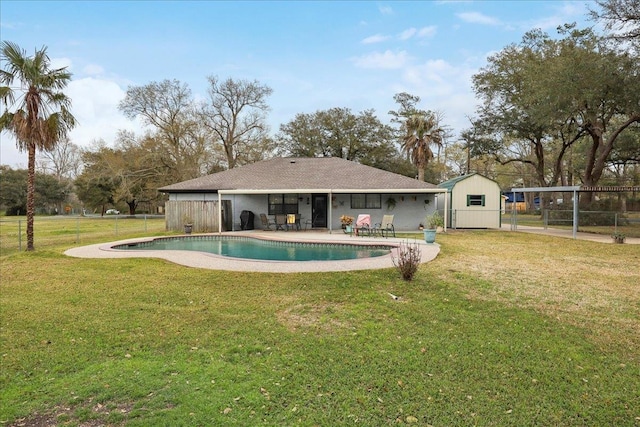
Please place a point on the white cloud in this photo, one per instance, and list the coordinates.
(387, 60)
(9, 25)
(412, 32)
(478, 18)
(61, 63)
(93, 70)
(385, 10)
(9, 154)
(429, 31)
(377, 38)
(438, 72)
(573, 9)
(442, 87)
(95, 107)
(407, 34)
(404, 35)
(545, 24)
(566, 12)
(94, 104)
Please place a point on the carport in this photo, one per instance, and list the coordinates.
(576, 190)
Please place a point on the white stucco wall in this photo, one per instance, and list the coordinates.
(409, 212)
(410, 209)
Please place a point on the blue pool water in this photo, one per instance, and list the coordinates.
(244, 247)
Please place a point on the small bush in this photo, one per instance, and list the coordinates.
(408, 261)
(618, 237)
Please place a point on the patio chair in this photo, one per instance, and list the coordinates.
(281, 222)
(293, 221)
(266, 222)
(363, 225)
(386, 226)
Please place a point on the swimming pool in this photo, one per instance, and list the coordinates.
(260, 249)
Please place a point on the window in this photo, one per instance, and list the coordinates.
(366, 201)
(475, 199)
(283, 204)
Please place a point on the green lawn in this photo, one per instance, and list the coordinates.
(502, 329)
(53, 231)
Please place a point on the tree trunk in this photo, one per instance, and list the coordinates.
(31, 193)
(599, 153)
(132, 206)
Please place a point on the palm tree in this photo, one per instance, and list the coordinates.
(40, 116)
(421, 130)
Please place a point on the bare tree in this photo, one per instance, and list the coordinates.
(64, 160)
(621, 18)
(236, 115)
(167, 107)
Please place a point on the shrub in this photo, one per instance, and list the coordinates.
(408, 260)
(434, 220)
(618, 237)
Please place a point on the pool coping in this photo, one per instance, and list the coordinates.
(217, 262)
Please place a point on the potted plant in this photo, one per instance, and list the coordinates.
(346, 222)
(391, 203)
(188, 224)
(432, 222)
(618, 237)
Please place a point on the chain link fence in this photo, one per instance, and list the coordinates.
(69, 230)
(599, 222)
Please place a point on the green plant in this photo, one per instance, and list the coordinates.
(391, 203)
(434, 220)
(618, 237)
(408, 260)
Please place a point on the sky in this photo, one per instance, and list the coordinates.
(315, 55)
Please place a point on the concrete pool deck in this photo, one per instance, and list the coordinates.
(217, 262)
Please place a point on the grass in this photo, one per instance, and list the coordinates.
(53, 231)
(507, 329)
(630, 229)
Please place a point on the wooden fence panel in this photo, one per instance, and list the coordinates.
(202, 214)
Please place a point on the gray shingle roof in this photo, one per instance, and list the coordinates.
(288, 173)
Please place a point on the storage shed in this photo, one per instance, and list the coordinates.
(474, 201)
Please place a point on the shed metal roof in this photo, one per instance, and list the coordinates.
(449, 184)
(453, 181)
